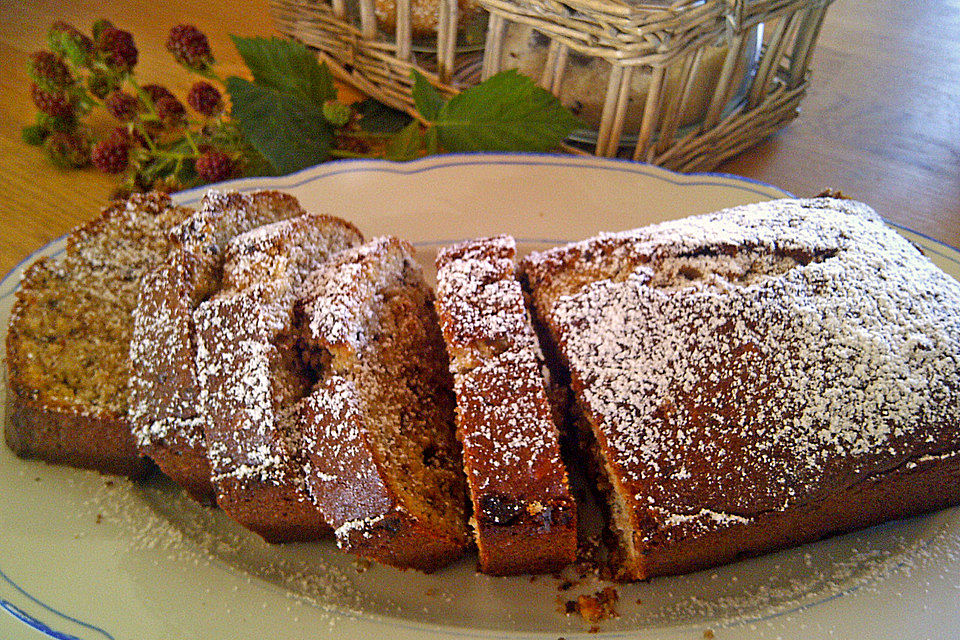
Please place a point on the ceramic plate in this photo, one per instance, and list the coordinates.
(97, 558)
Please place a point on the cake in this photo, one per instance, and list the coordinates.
(254, 374)
(524, 517)
(424, 15)
(164, 410)
(378, 428)
(69, 334)
(756, 378)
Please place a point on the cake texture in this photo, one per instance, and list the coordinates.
(69, 335)
(379, 432)
(254, 373)
(524, 517)
(757, 378)
(164, 407)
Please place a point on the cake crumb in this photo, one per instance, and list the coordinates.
(708, 634)
(599, 606)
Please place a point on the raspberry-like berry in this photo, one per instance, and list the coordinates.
(122, 105)
(190, 47)
(67, 150)
(214, 166)
(49, 71)
(117, 48)
(170, 110)
(205, 98)
(156, 91)
(121, 136)
(52, 103)
(110, 155)
(67, 41)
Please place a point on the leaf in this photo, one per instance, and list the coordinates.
(406, 144)
(288, 130)
(426, 98)
(377, 117)
(287, 67)
(506, 112)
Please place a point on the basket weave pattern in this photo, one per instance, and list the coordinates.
(666, 41)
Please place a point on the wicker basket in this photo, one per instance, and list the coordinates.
(683, 84)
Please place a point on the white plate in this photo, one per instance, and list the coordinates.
(91, 557)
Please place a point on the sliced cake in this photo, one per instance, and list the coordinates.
(524, 517)
(757, 378)
(164, 409)
(379, 433)
(254, 373)
(69, 335)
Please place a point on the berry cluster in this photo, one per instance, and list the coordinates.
(157, 141)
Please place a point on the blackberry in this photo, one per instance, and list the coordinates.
(117, 48)
(190, 47)
(170, 110)
(122, 106)
(214, 166)
(110, 155)
(67, 150)
(49, 71)
(53, 103)
(67, 41)
(205, 99)
(156, 91)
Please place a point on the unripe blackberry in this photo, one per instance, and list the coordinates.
(214, 166)
(67, 150)
(34, 134)
(49, 71)
(110, 155)
(122, 106)
(52, 103)
(57, 123)
(100, 26)
(205, 99)
(67, 41)
(190, 47)
(101, 84)
(117, 48)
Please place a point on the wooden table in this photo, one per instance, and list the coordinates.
(882, 121)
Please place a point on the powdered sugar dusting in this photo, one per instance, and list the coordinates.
(743, 396)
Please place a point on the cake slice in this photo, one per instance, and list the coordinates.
(524, 517)
(69, 334)
(163, 386)
(254, 372)
(384, 462)
(757, 378)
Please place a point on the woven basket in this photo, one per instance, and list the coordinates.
(683, 84)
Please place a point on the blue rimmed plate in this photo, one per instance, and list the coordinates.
(92, 557)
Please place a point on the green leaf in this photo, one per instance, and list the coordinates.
(426, 98)
(406, 144)
(287, 67)
(289, 131)
(377, 117)
(507, 112)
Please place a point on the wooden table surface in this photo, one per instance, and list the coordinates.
(881, 122)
